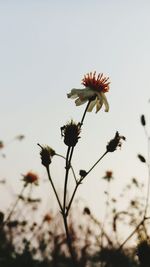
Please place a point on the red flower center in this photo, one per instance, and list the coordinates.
(98, 83)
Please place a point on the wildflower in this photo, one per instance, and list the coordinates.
(46, 155)
(1, 144)
(115, 142)
(94, 91)
(47, 218)
(71, 132)
(108, 176)
(30, 178)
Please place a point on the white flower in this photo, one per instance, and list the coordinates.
(94, 91)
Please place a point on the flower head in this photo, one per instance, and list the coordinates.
(108, 176)
(71, 132)
(115, 142)
(47, 218)
(30, 178)
(94, 91)
(46, 155)
(1, 144)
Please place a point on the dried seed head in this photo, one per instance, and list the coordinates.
(71, 132)
(46, 154)
(115, 142)
(141, 158)
(143, 122)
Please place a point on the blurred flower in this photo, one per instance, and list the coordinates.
(135, 182)
(115, 142)
(94, 91)
(71, 132)
(20, 137)
(46, 155)
(47, 218)
(143, 122)
(86, 211)
(108, 176)
(30, 178)
(1, 144)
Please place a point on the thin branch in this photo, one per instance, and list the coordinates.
(14, 206)
(80, 181)
(52, 184)
(73, 172)
(83, 117)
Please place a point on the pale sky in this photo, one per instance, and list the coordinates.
(46, 47)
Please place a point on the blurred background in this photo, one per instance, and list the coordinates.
(46, 47)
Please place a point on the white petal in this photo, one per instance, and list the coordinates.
(74, 93)
(91, 106)
(83, 94)
(105, 102)
(99, 104)
(79, 102)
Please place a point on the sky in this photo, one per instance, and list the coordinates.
(46, 47)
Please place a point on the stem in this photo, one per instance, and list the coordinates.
(70, 166)
(95, 164)
(14, 206)
(73, 195)
(106, 212)
(66, 177)
(80, 181)
(133, 232)
(69, 242)
(81, 123)
(50, 179)
(148, 186)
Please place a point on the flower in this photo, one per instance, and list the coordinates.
(71, 132)
(108, 176)
(115, 142)
(47, 218)
(46, 154)
(1, 144)
(94, 91)
(30, 178)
